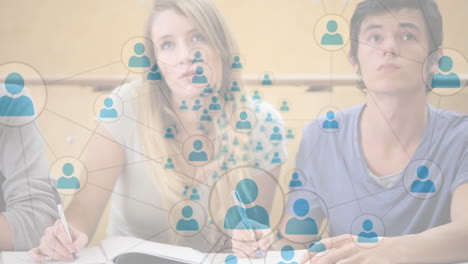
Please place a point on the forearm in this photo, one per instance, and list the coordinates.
(6, 239)
(443, 244)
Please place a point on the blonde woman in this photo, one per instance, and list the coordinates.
(126, 160)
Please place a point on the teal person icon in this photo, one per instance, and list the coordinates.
(208, 89)
(236, 64)
(256, 96)
(284, 107)
(141, 60)
(331, 123)
(422, 185)
(108, 111)
(441, 80)
(332, 38)
(235, 87)
(290, 134)
(169, 133)
(198, 154)
(317, 246)
(230, 259)
(305, 226)
(183, 105)
(214, 104)
(199, 77)
(367, 236)
(197, 105)
(169, 165)
(255, 215)
(198, 57)
(266, 80)
(276, 135)
(243, 123)
(295, 182)
(19, 106)
(287, 254)
(187, 223)
(276, 158)
(186, 187)
(154, 74)
(195, 196)
(68, 181)
(205, 116)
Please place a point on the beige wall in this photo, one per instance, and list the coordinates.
(86, 36)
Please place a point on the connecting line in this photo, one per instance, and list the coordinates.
(331, 78)
(45, 141)
(123, 82)
(212, 246)
(128, 197)
(192, 178)
(206, 179)
(366, 196)
(89, 140)
(344, 8)
(394, 206)
(26, 170)
(324, 8)
(145, 125)
(71, 76)
(118, 166)
(143, 241)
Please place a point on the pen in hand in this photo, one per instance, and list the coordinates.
(64, 222)
(245, 220)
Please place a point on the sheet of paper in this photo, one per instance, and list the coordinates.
(115, 246)
(86, 255)
(271, 257)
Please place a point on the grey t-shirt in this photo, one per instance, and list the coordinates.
(26, 196)
(333, 167)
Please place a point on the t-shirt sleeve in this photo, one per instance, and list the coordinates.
(461, 176)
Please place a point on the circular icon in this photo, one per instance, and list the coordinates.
(108, 107)
(266, 79)
(23, 94)
(331, 32)
(243, 120)
(200, 75)
(442, 70)
(138, 54)
(295, 178)
(68, 175)
(305, 212)
(187, 218)
(330, 119)
(198, 150)
(238, 62)
(242, 198)
(368, 231)
(286, 251)
(276, 134)
(422, 179)
(227, 256)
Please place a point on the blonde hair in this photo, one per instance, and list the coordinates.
(155, 110)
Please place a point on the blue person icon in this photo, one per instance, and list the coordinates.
(256, 216)
(276, 135)
(332, 38)
(183, 105)
(422, 185)
(198, 57)
(197, 105)
(450, 80)
(154, 74)
(284, 106)
(368, 236)
(208, 89)
(266, 80)
(169, 133)
(19, 106)
(317, 246)
(290, 134)
(276, 158)
(108, 111)
(295, 182)
(198, 154)
(187, 223)
(287, 254)
(194, 196)
(243, 123)
(230, 259)
(68, 181)
(205, 116)
(305, 226)
(139, 60)
(214, 104)
(330, 123)
(236, 64)
(169, 165)
(235, 87)
(199, 78)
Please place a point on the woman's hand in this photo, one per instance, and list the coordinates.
(56, 244)
(244, 245)
(345, 250)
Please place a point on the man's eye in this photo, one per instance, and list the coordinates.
(375, 38)
(408, 36)
(167, 45)
(198, 38)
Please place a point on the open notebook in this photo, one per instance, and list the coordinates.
(115, 246)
